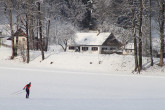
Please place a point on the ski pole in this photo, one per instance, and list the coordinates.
(16, 92)
(19, 92)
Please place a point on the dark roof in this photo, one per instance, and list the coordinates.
(19, 32)
(112, 41)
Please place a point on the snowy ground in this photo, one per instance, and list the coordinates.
(66, 90)
(72, 83)
(82, 62)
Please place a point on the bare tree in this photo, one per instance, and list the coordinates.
(161, 23)
(150, 33)
(25, 14)
(65, 16)
(9, 12)
(102, 10)
(63, 32)
(40, 29)
(134, 35)
(140, 34)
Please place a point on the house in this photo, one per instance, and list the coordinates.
(93, 42)
(22, 40)
(128, 49)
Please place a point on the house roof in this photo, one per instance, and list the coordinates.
(19, 32)
(112, 41)
(91, 38)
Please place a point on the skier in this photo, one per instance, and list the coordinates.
(27, 87)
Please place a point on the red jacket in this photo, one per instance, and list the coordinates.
(27, 86)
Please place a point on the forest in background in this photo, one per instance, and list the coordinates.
(57, 21)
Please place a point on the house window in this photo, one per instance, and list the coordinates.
(23, 39)
(112, 48)
(71, 47)
(84, 48)
(104, 48)
(94, 48)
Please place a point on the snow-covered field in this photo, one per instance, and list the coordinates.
(72, 83)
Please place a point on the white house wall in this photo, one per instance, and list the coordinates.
(109, 49)
(68, 50)
(128, 52)
(90, 50)
(22, 41)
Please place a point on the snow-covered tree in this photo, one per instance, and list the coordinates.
(61, 33)
(72, 11)
(8, 10)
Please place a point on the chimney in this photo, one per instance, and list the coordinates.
(98, 32)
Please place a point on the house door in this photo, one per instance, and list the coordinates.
(77, 49)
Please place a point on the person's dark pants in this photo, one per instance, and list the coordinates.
(27, 93)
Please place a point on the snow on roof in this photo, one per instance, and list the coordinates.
(91, 38)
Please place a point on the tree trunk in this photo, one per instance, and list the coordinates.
(18, 19)
(150, 35)
(32, 34)
(40, 30)
(66, 44)
(135, 40)
(27, 36)
(37, 38)
(161, 63)
(140, 35)
(16, 47)
(47, 35)
(12, 32)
